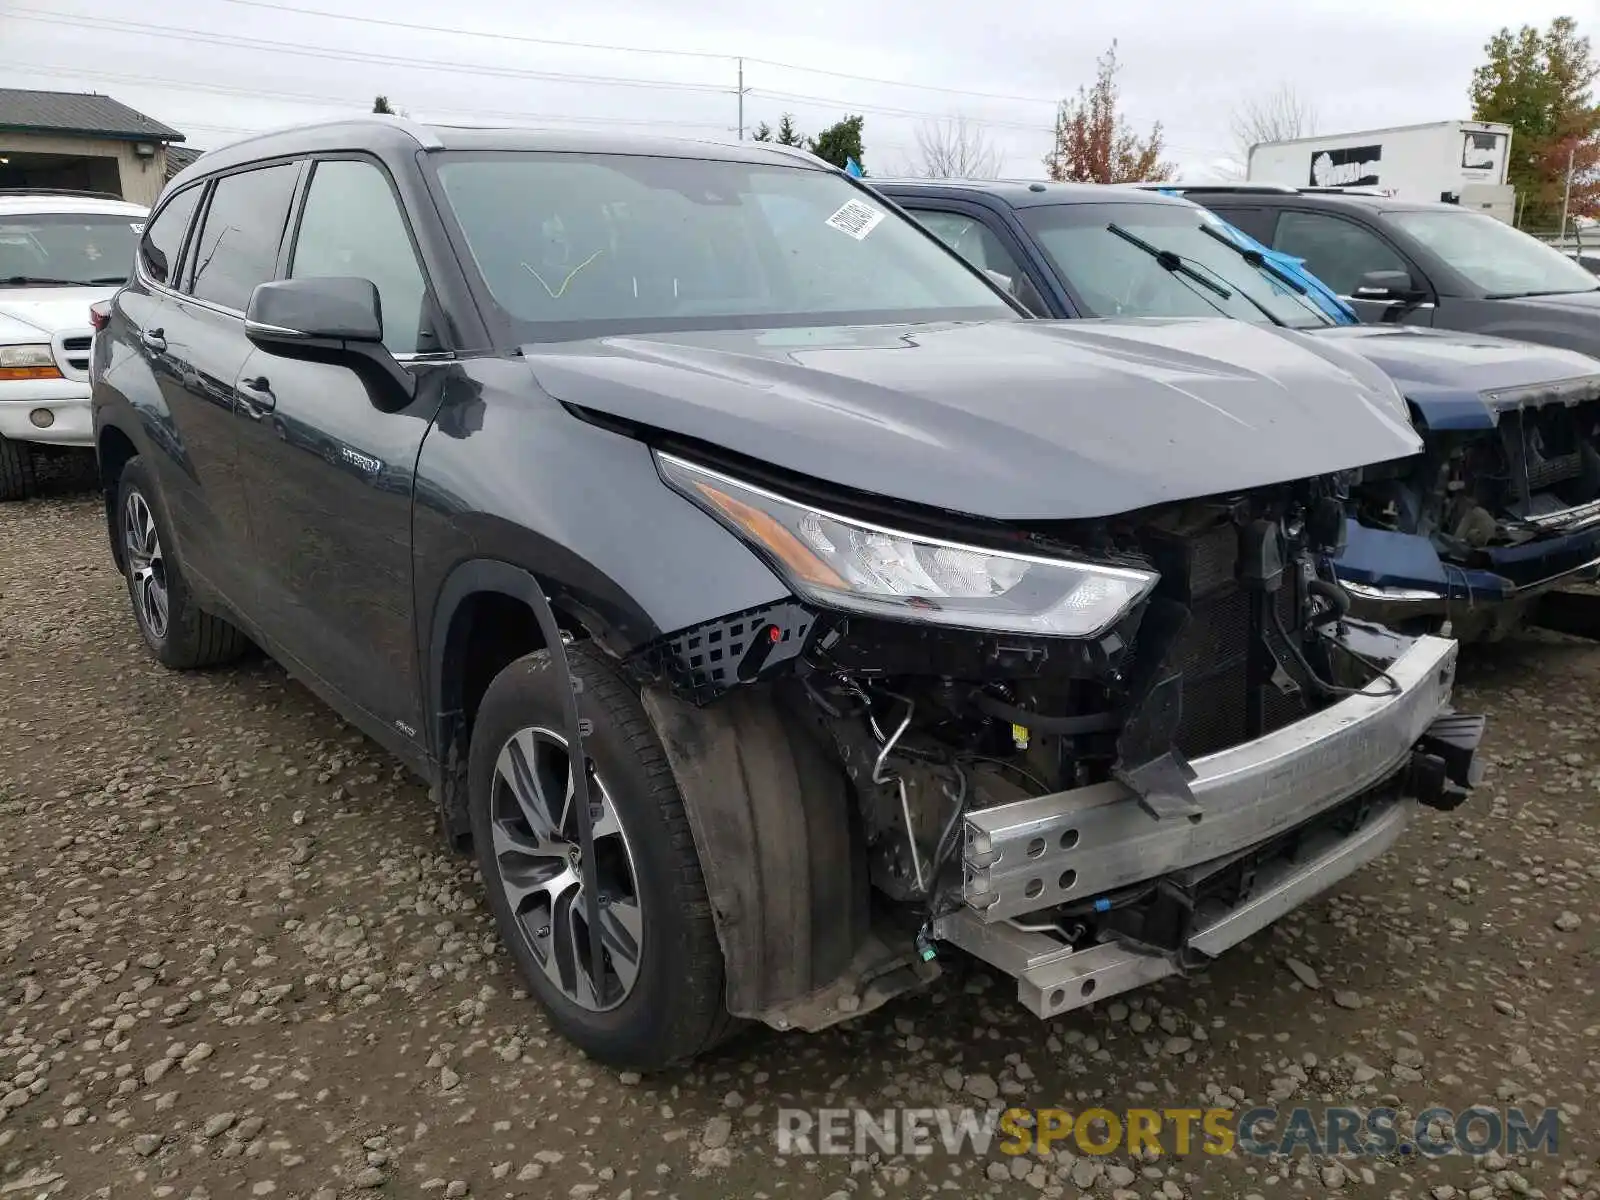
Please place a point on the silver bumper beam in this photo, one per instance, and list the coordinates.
(1053, 978)
(1032, 854)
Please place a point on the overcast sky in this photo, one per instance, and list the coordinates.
(218, 69)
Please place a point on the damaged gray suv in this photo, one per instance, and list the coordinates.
(774, 610)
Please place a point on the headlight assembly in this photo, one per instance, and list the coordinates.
(28, 362)
(843, 563)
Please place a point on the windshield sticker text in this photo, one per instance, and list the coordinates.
(856, 218)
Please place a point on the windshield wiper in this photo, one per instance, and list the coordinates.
(1256, 259)
(1170, 261)
(1529, 295)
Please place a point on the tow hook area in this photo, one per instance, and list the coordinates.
(1445, 766)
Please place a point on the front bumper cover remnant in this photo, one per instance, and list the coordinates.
(1053, 978)
(1083, 843)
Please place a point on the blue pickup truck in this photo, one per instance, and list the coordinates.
(1475, 533)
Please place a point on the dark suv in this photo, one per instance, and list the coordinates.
(1420, 263)
(767, 601)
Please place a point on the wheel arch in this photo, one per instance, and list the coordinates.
(769, 810)
(114, 448)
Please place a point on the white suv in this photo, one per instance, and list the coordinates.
(59, 253)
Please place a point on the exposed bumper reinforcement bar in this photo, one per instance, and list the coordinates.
(1053, 978)
(1083, 843)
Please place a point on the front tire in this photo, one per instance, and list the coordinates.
(658, 997)
(175, 629)
(17, 478)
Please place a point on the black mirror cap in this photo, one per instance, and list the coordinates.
(1387, 285)
(328, 309)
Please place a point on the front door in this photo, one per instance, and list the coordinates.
(329, 474)
(1339, 251)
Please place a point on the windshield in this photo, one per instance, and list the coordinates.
(573, 245)
(1503, 261)
(66, 248)
(1113, 276)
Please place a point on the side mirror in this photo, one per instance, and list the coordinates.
(1020, 289)
(334, 320)
(1388, 285)
(292, 311)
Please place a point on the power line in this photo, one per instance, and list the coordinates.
(890, 111)
(181, 33)
(418, 27)
(308, 98)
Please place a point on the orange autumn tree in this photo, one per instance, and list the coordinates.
(1093, 143)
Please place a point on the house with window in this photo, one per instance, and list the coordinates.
(82, 141)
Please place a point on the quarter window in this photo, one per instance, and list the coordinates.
(163, 237)
(352, 226)
(1336, 251)
(238, 245)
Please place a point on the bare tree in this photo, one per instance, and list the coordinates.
(1279, 116)
(955, 148)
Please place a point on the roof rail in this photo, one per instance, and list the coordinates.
(1275, 188)
(51, 191)
(1344, 191)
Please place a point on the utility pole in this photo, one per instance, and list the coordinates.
(741, 108)
(1566, 195)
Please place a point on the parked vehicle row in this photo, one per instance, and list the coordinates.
(773, 606)
(1503, 505)
(58, 253)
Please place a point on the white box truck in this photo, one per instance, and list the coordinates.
(1458, 162)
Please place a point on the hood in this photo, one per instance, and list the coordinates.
(48, 310)
(1007, 419)
(1573, 301)
(1445, 373)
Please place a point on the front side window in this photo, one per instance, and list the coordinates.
(163, 237)
(238, 245)
(1096, 250)
(1336, 251)
(66, 249)
(1503, 261)
(351, 226)
(970, 238)
(572, 245)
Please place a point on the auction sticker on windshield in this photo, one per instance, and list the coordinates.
(855, 218)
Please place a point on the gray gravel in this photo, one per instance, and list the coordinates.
(236, 961)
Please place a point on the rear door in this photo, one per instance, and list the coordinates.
(327, 474)
(200, 332)
(1340, 249)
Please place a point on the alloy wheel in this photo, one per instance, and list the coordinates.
(542, 872)
(147, 566)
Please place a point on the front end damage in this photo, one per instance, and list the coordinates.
(1502, 508)
(1086, 814)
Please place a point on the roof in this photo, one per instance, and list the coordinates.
(179, 157)
(1020, 193)
(1315, 198)
(45, 202)
(86, 114)
(375, 132)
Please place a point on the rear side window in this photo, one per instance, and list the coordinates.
(163, 237)
(238, 245)
(351, 225)
(1336, 251)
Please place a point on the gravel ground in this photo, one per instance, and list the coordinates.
(236, 960)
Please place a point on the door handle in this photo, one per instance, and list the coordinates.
(255, 397)
(154, 339)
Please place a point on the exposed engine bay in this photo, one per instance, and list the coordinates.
(982, 767)
(1535, 474)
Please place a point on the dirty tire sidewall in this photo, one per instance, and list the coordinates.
(194, 638)
(676, 1009)
(17, 478)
